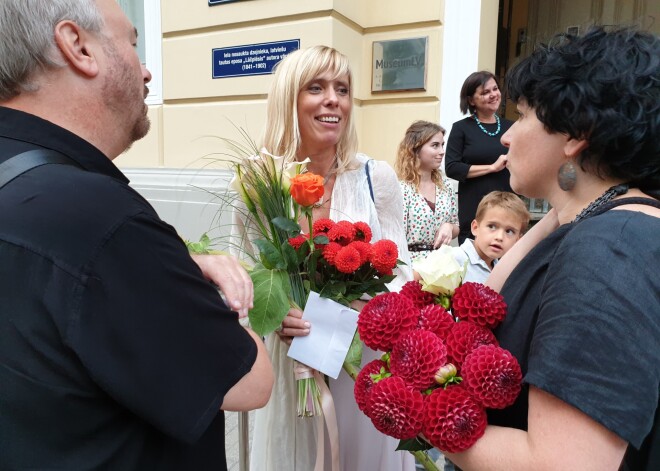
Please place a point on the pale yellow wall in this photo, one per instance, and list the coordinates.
(147, 152)
(196, 106)
(488, 34)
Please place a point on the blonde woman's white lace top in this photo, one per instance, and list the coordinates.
(281, 440)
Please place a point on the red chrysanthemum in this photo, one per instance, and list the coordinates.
(384, 254)
(416, 357)
(322, 226)
(492, 375)
(478, 303)
(342, 232)
(413, 290)
(384, 318)
(348, 259)
(395, 409)
(362, 231)
(297, 241)
(364, 248)
(330, 252)
(464, 337)
(453, 420)
(364, 382)
(436, 319)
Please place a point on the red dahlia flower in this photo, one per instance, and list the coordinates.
(348, 259)
(478, 303)
(342, 232)
(330, 252)
(453, 420)
(413, 290)
(384, 254)
(436, 319)
(464, 337)
(363, 231)
(395, 409)
(492, 375)
(297, 241)
(364, 248)
(384, 318)
(416, 357)
(322, 226)
(364, 382)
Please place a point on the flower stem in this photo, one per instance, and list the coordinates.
(425, 460)
(351, 370)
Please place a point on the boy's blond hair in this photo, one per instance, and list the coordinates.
(507, 201)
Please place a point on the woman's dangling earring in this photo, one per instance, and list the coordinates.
(567, 176)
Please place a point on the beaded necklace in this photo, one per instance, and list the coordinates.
(491, 134)
(616, 190)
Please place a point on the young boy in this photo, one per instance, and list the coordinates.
(501, 220)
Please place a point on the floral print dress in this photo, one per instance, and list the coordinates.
(420, 221)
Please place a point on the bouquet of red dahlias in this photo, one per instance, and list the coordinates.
(442, 368)
(341, 263)
(338, 261)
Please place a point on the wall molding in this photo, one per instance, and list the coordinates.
(194, 201)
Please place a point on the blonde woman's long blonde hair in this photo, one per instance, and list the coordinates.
(282, 134)
(407, 162)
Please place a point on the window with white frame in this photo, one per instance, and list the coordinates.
(145, 15)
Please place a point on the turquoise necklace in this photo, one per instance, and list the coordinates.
(491, 134)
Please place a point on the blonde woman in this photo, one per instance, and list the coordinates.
(430, 211)
(310, 115)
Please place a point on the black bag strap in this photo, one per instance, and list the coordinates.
(371, 188)
(21, 163)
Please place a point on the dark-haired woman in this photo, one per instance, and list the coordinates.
(584, 303)
(475, 157)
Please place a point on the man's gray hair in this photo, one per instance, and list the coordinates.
(27, 39)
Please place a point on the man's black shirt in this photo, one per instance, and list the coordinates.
(115, 352)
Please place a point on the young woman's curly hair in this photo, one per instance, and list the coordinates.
(407, 162)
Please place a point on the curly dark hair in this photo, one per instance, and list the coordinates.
(603, 87)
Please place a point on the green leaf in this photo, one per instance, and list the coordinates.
(333, 290)
(201, 247)
(270, 255)
(271, 303)
(354, 355)
(321, 239)
(290, 256)
(286, 225)
(413, 444)
(302, 252)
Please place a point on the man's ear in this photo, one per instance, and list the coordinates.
(574, 147)
(77, 46)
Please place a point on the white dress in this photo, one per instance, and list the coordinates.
(284, 442)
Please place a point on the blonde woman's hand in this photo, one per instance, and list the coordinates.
(292, 326)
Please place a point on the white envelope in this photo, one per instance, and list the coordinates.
(333, 328)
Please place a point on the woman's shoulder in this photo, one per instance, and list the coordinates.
(464, 121)
(377, 167)
(628, 233)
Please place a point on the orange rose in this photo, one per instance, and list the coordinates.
(306, 188)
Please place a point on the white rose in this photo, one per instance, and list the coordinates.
(441, 273)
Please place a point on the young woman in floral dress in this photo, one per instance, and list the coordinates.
(430, 211)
